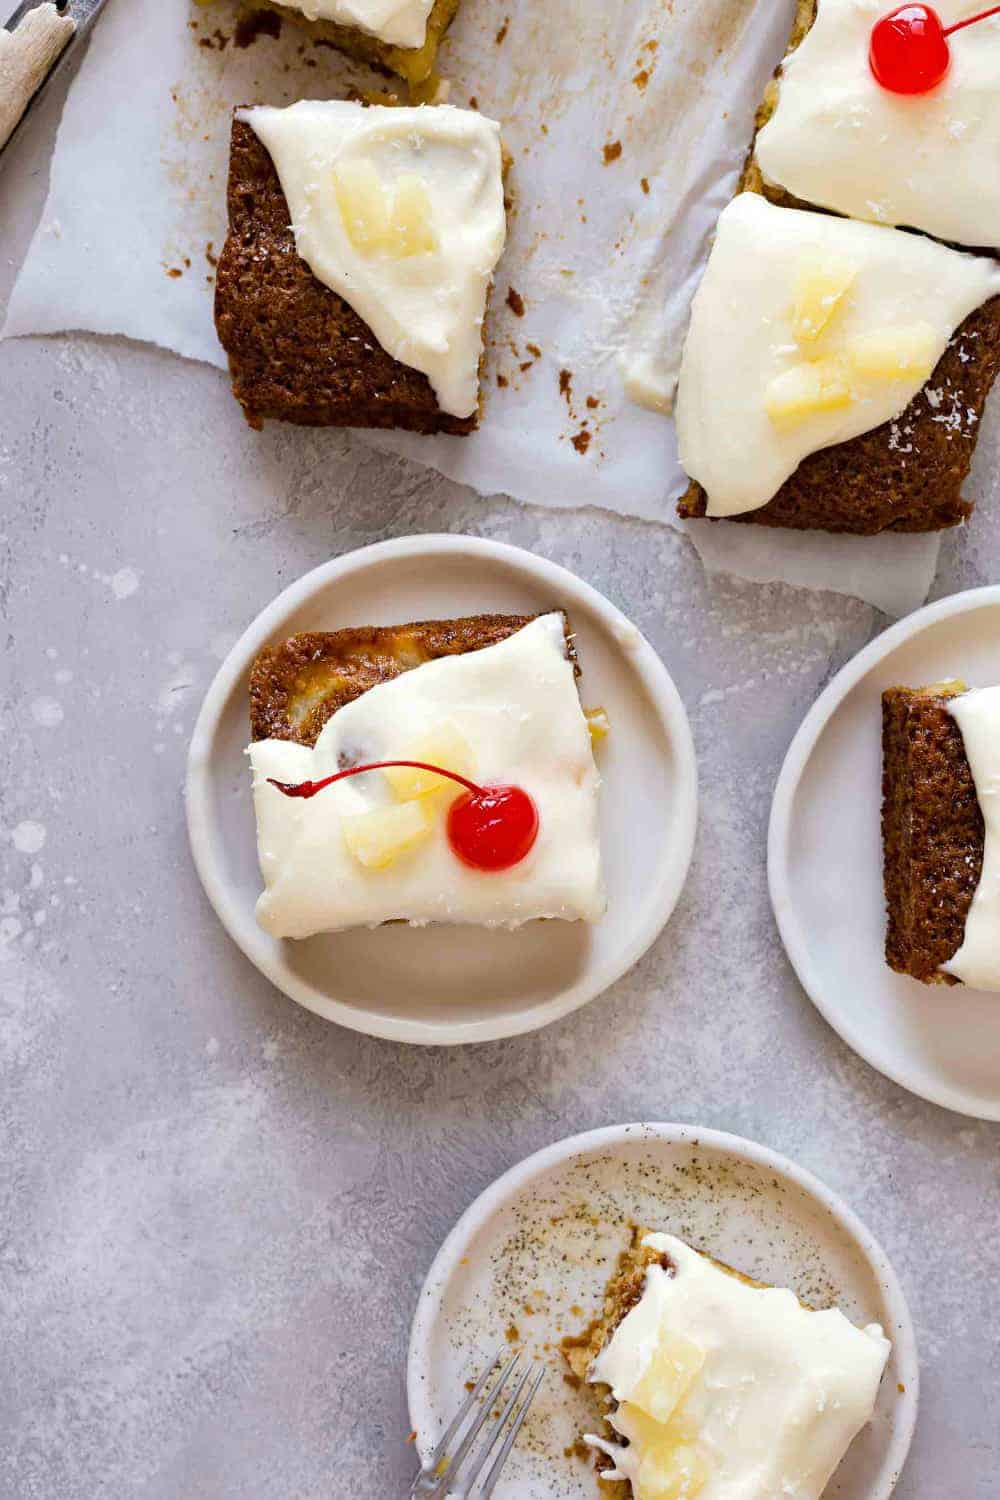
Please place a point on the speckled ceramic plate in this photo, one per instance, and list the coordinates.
(529, 1260)
(460, 984)
(825, 865)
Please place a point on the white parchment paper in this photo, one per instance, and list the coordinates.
(627, 121)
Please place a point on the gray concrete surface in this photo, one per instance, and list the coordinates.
(216, 1210)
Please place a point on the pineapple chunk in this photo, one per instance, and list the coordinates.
(819, 287)
(397, 222)
(807, 390)
(378, 838)
(362, 204)
(598, 724)
(675, 1471)
(411, 231)
(668, 1378)
(673, 1465)
(444, 747)
(895, 353)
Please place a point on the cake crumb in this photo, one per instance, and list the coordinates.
(515, 302)
(502, 33)
(612, 151)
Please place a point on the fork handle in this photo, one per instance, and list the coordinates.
(27, 56)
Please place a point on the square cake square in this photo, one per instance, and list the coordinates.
(378, 198)
(440, 772)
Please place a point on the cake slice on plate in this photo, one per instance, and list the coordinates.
(434, 772)
(834, 373)
(941, 833)
(353, 283)
(717, 1386)
(398, 36)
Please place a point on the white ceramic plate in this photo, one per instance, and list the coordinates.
(546, 1235)
(825, 865)
(454, 984)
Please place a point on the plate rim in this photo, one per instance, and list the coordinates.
(538, 1162)
(796, 759)
(664, 698)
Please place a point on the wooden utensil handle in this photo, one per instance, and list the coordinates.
(26, 58)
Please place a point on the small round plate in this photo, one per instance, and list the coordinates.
(460, 984)
(528, 1263)
(825, 865)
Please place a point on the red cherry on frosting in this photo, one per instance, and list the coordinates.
(493, 828)
(909, 52)
(489, 827)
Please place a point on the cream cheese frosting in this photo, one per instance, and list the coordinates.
(401, 212)
(840, 140)
(761, 386)
(977, 961)
(400, 23)
(731, 1391)
(516, 706)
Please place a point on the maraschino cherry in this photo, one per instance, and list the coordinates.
(492, 828)
(909, 52)
(489, 827)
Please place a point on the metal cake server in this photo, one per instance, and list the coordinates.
(35, 44)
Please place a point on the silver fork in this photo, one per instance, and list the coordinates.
(457, 1462)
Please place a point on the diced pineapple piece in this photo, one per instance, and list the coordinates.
(397, 221)
(806, 391)
(411, 230)
(819, 287)
(378, 838)
(445, 747)
(675, 1365)
(673, 1465)
(676, 1471)
(895, 353)
(362, 204)
(599, 725)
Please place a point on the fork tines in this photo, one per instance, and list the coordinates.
(461, 1456)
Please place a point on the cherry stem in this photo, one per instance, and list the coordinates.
(310, 788)
(994, 10)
